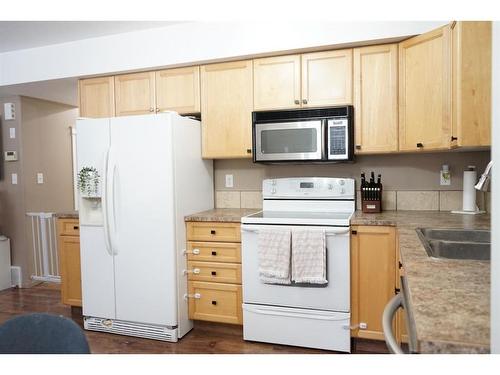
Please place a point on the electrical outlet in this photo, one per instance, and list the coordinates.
(39, 178)
(229, 181)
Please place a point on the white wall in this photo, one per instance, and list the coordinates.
(495, 246)
(189, 42)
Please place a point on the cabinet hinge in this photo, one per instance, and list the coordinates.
(400, 265)
(397, 290)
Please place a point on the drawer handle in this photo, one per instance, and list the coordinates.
(214, 303)
(75, 227)
(214, 253)
(420, 145)
(214, 273)
(212, 231)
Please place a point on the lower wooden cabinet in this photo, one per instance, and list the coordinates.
(215, 302)
(214, 271)
(69, 261)
(373, 278)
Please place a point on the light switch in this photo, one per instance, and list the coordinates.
(12, 133)
(14, 178)
(229, 181)
(39, 178)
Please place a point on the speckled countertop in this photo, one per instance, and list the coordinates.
(67, 215)
(222, 214)
(449, 299)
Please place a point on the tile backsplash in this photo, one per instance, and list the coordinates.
(433, 200)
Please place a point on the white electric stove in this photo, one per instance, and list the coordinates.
(316, 316)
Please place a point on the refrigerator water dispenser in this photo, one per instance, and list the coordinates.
(91, 211)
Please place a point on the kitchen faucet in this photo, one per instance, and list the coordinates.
(485, 178)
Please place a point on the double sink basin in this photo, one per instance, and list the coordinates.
(456, 243)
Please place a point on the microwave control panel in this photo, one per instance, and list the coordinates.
(338, 139)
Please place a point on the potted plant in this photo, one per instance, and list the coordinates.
(88, 181)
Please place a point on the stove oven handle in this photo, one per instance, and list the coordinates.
(327, 233)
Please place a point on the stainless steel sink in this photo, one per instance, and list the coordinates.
(456, 243)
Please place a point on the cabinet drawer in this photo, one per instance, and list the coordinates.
(216, 302)
(209, 231)
(214, 252)
(215, 272)
(68, 227)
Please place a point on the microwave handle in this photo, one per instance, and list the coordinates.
(324, 139)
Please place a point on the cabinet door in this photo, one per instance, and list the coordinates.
(97, 97)
(178, 90)
(425, 91)
(69, 260)
(472, 83)
(135, 93)
(376, 98)
(373, 260)
(327, 78)
(277, 82)
(226, 110)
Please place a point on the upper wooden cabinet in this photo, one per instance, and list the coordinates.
(373, 278)
(471, 125)
(135, 94)
(97, 97)
(226, 110)
(309, 80)
(327, 78)
(277, 82)
(376, 99)
(425, 91)
(445, 88)
(178, 90)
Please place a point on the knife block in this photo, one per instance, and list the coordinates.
(371, 206)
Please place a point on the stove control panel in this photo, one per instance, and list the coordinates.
(308, 188)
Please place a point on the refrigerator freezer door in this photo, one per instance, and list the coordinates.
(142, 219)
(98, 294)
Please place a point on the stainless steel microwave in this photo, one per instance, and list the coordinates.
(303, 135)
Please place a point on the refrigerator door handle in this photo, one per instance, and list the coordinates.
(110, 195)
(104, 204)
(115, 198)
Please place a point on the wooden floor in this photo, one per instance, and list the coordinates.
(205, 338)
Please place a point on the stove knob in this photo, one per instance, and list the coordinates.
(273, 182)
(342, 191)
(330, 186)
(341, 182)
(273, 191)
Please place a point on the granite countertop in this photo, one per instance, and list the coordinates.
(449, 299)
(222, 214)
(67, 215)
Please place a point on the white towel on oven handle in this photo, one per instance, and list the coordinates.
(274, 247)
(309, 256)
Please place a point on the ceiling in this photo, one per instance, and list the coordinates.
(29, 34)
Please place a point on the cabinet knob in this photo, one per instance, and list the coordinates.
(249, 150)
(304, 101)
(214, 273)
(454, 138)
(75, 227)
(358, 147)
(212, 231)
(157, 109)
(214, 303)
(214, 253)
(297, 101)
(151, 109)
(420, 145)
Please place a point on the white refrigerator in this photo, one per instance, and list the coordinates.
(132, 232)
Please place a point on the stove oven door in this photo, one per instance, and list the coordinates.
(334, 296)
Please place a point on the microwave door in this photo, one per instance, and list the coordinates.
(297, 141)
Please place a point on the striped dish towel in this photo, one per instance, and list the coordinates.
(274, 255)
(309, 256)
